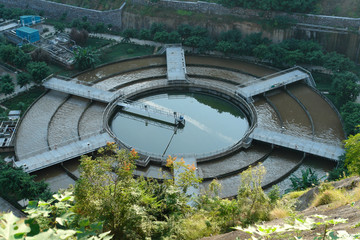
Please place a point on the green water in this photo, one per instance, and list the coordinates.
(211, 124)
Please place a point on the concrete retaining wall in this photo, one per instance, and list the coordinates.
(55, 10)
(213, 8)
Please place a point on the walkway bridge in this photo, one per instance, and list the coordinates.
(151, 112)
(175, 59)
(332, 152)
(72, 148)
(276, 80)
(75, 148)
(64, 85)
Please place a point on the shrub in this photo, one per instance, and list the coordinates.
(328, 196)
(278, 213)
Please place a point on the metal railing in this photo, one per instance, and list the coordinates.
(57, 145)
(213, 86)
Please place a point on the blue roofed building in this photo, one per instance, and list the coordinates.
(29, 20)
(29, 34)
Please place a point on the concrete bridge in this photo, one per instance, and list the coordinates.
(73, 149)
(175, 59)
(276, 80)
(79, 89)
(332, 152)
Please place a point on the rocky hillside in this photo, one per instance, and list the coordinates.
(344, 8)
(338, 200)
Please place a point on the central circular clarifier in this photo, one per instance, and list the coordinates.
(212, 124)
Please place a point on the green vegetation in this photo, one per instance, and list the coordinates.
(13, 13)
(6, 84)
(23, 100)
(304, 6)
(94, 4)
(308, 179)
(121, 51)
(85, 58)
(108, 199)
(352, 155)
(108, 202)
(16, 185)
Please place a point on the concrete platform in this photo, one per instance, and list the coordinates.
(67, 152)
(332, 152)
(276, 80)
(176, 67)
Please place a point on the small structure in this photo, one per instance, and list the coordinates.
(29, 34)
(14, 114)
(29, 20)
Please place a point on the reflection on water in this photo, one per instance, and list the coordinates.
(211, 124)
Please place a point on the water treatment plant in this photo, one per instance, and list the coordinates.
(223, 114)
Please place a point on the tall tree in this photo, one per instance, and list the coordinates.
(38, 71)
(345, 87)
(350, 113)
(85, 58)
(23, 79)
(352, 155)
(6, 84)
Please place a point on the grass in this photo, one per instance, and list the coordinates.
(97, 43)
(24, 100)
(323, 81)
(123, 51)
(278, 213)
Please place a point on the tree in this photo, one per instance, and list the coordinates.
(23, 79)
(79, 36)
(156, 27)
(21, 59)
(345, 87)
(59, 27)
(38, 71)
(6, 84)
(106, 190)
(7, 53)
(162, 36)
(174, 37)
(129, 33)
(185, 31)
(40, 55)
(230, 36)
(15, 185)
(350, 113)
(352, 154)
(225, 47)
(337, 62)
(145, 34)
(85, 58)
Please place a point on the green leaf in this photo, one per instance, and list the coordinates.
(12, 227)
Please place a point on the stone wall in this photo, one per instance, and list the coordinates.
(213, 8)
(55, 10)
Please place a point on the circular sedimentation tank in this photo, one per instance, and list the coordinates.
(217, 121)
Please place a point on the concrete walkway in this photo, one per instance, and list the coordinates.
(273, 81)
(332, 152)
(67, 152)
(5, 207)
